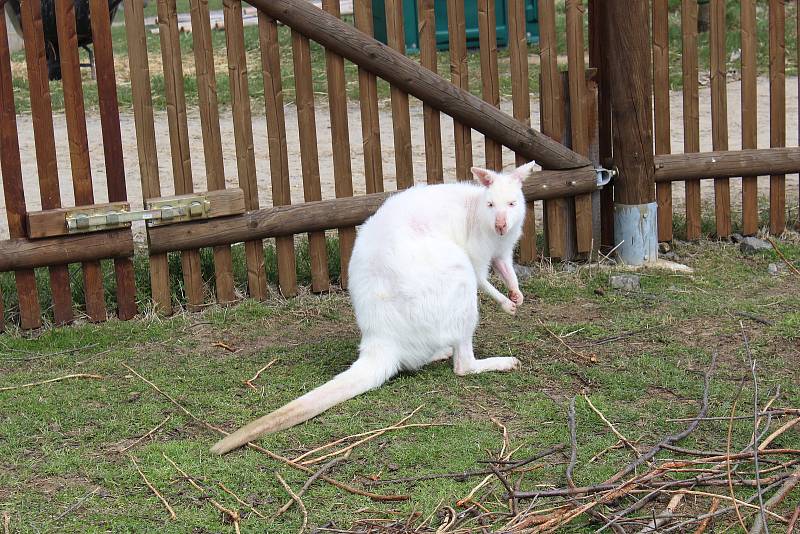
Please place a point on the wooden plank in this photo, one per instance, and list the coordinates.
(578, 126)
(691, 110)
(146, 141)
(243, 133)
(13, 191)
(368, 98)
(340, 136)
(52, 223)
(661, 112)
(431, 118)
(276, 140)
(79, 145)
(401, 118)
(749, 112)
(730, 163)
(306, 122)
(21, 254)
(212, 138)
(112, 144)
(179, 137)
(719, 113)
(777, 111)
(459, 75)
(521, 104)
(336, 213)
(490, 77)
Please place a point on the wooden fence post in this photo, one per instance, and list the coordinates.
(630, 71)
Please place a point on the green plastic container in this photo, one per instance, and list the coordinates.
(471, 15)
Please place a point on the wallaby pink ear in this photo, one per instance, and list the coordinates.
(484, 177)
(522, 172)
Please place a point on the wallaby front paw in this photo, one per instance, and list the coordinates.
(516, 297)
(509, 307)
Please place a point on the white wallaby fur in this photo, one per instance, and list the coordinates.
(414, 274)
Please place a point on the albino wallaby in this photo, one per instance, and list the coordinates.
(414, 274)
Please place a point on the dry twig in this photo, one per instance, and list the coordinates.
(790, 483)
(240, 501)
(701, 528)
(154, 490)
(728, 460)
(250, 381)
(793, 521)
(325, 468)
(76, 375)
(154, 430)
(789, 264)
(610, 425)
(296, 499)
(6, 523)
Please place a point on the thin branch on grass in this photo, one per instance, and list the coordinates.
(30, 355)
(665, 516)
(6, 523)
(50, 381)
(772, 437)
(573, 440)
(728, 460)
(755, 318)
(611, 426)
(154, 430)
(789, 264)
(249, 382)
(324, 469)
(240, 501)
(154, 490)
(777, 412)
(701, 528)
(296, 498)
(790, 483)
(793, 521)
(76, 505)
(592, 358)
(512, 500)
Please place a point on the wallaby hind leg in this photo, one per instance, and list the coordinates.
(464, 362)
(444, 354)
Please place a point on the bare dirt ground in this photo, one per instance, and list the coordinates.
(325, 149)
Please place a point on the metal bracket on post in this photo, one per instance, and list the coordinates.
(604, 176)
(635, 228)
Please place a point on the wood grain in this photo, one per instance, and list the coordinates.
(727, 163)
(459, 75)
(490, 77)
(691, 110)
(719, 113)
(276, 141)
(777, 111)
(749, 112)
(431, 118)
(21, 254)
(661, 112)
(401, 118)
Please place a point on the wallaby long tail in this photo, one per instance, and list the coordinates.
(363, 375)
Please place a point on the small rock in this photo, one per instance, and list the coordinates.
(626, 282)
(737, 238)
(776, 268)
(670, 256)
(751, 245)
(599, 291)
(569, 267)
(393, 467)
(523, 271)
(664, 247)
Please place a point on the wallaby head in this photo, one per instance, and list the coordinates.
(503, 205)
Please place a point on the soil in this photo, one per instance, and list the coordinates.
(325, 149)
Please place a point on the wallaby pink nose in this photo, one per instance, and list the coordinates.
(501, 227)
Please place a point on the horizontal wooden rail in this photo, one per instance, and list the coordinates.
(411, 77)
(722, 164)
(335, 213)
(18, 254)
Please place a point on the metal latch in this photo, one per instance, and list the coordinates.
(157, 212)
(604, 176)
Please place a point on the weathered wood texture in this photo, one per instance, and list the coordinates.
(276, 140)
(340, 138)
(719, 113)
(777, 111)
(629, 66)
(146, 141)
(459, 75)
(731, 163)
(749, 112)
(179, 137)
(431, 117)
(20, 254)
(11, 167)
(112, 144)
(420, 82)
(490, 82)
(336, 213)
(401, 118)
(79, 145)
(661, 115)
(691, 110)
(243, 134)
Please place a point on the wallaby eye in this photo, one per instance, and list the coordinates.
(512, 203)
(490, 204)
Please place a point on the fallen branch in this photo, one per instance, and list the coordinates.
(50, 381)
(701, 528)
(790, 483)
(793, 521)
(240, 501)
(296, 499)
(786, 426)
(77, 504)
(154, 430)
(789, 264)
(155, 491)
(592, 358)
(664, 517)
(608, 423)
(777, 412)
(327, 467)
(249, 382)
(728, 460)
(6, 523)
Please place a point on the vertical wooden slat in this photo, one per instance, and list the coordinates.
(552, 105)
(580, 140)
(11, 165)
(521, 103)
(749, 113)
(490, 82)
(368, 97)
(276, 140)
(340, 135)
(719, 113)
(777, 111)
(401, 118)
(691, 110)
(212, 138)
(112, 144)
(44, 138)
(79, 145)
(661, 111)
(309, 156)
(146, 140)
(457, 30)
(179, 137)
(243, 132)
(432, 121)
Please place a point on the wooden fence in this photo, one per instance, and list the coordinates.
(574, 115)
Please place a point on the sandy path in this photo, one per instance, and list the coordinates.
(324, 142)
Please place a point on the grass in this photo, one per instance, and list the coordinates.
(59, 441)
(255, 79)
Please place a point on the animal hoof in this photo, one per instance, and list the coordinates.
(509, 307)
(516, 297)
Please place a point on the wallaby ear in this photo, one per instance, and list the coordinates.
(484, 177)
(522, 172)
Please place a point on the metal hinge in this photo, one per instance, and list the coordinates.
(158, 212)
